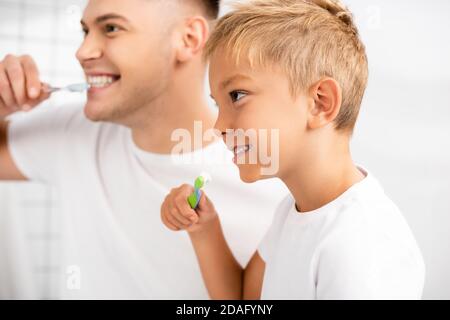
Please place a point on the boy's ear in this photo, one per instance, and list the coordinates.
(327, 99)
(192, 38)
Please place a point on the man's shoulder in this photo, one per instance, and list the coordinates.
(67, 123)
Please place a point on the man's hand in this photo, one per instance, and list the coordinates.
(20, 87)
(177, 214)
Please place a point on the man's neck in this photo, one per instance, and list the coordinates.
(156, 137)
(324, 179)
(180, 106)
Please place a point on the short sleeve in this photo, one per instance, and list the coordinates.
(268, 243)
(37, 139)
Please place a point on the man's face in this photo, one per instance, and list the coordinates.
(259, 102)
(126, 56)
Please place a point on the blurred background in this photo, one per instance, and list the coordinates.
(403, 134)
(48, 30)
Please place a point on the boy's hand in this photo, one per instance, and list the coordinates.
(177, 214)
(20, 87)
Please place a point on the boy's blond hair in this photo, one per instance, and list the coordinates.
(308, 39)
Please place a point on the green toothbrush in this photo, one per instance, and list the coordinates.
(199, 183)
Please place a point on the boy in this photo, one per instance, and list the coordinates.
(300, 68)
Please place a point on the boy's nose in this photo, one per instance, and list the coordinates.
(221, 125)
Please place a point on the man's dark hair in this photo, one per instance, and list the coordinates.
(212, 7)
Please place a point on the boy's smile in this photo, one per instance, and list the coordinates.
(240, 150)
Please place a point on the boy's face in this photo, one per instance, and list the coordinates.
(127, 53)
(258, 101)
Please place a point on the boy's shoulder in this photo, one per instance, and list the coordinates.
(364, 212)
(369, 220)
(285, 206)
(367, 207)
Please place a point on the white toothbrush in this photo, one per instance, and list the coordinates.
(77, 87)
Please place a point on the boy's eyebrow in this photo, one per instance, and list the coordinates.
(105, 17)
(233, 78)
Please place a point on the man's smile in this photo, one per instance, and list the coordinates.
(99, 82)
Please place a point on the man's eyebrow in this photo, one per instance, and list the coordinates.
(105, 17)
(233, 78)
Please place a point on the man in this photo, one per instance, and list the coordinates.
(112, 161)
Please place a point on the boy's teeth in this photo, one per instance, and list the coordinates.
(241, 149)
(99, 81)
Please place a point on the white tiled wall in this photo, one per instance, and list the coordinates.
(49, 31)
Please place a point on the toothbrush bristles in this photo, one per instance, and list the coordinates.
(206, 177)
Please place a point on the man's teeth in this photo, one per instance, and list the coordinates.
(241, 149)
(100, 81)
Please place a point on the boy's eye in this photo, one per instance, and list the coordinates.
(85, 32)
(237, 95)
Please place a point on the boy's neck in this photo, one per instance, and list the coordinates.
(324, 179)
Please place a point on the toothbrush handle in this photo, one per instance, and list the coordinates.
(46, 88)
(194, 198)
(51, 90)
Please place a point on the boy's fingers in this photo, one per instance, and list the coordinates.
(171, 216)
(171, 219)
(165, 213)
(168, 224)
(184, 190)
(163, 210)
(166, 216)
(179, 216)
(33, 84)
(171, 226)
(204, 204)
(184, 208)
(173, 212)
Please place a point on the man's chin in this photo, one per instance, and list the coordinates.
(95, 112)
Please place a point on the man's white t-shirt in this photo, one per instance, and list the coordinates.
(114, 243)
(356, 247)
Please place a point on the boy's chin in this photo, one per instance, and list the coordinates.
(250, 173)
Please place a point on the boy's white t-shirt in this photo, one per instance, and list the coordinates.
(358, 246)
(114, 245)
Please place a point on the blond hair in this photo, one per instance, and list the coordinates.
(307, 39)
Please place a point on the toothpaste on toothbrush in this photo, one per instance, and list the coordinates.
(199, 183)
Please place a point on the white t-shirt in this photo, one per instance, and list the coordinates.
(114, 243)
(356, 247)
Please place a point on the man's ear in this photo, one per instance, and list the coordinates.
(193, 36)
(327, 99)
